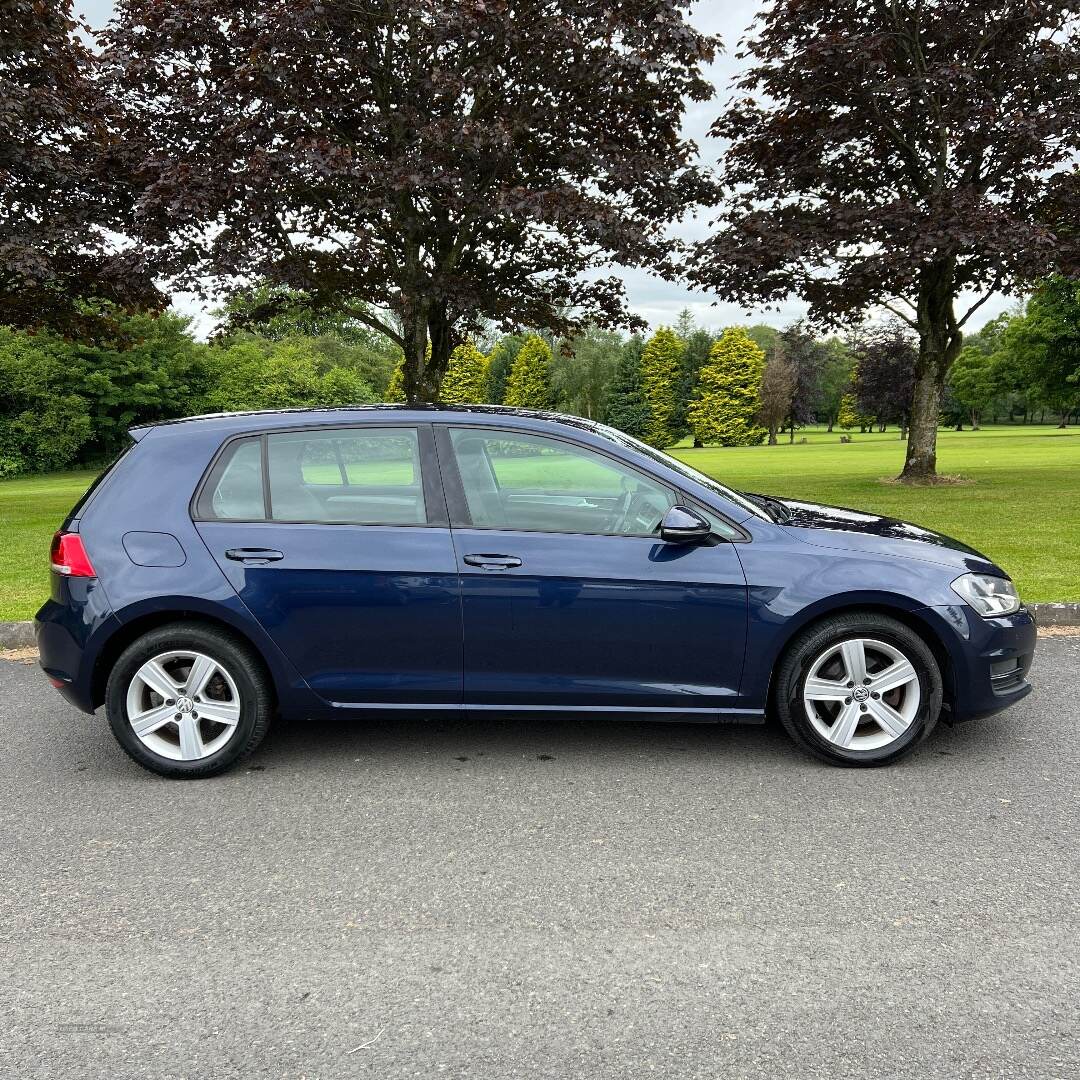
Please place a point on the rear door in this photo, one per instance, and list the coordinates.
(338, 542)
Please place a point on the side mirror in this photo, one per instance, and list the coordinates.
(681, 525)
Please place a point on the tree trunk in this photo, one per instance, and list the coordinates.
(791, 437)
(1064, 419)
(698, 444)
(442, 345)
(414, 331)
(832, 421)
(974, 420)
(772, 435)
(939, 344)
(428, 345)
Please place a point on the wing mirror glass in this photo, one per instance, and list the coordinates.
(681, 525)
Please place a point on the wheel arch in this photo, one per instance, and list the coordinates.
(913, 618)
(142, 622)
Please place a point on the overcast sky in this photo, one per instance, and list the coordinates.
(659, 301)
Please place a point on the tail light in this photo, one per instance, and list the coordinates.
(69, 556)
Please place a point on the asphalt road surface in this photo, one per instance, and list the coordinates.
(542, 899)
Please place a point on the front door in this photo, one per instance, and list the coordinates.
(569, 598)
(337, 541)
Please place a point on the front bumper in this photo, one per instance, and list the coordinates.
(989, 659)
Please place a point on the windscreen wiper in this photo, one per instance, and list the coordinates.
(774, 507)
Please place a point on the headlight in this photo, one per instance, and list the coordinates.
(987, 594)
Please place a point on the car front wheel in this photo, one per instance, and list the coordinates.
(860, 689)
(188, 701)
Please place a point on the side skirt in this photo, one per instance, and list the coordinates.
(638, 712)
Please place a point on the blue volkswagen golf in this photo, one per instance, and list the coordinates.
(229, 569)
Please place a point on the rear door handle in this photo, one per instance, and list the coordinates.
(254, 555)
(493, 562)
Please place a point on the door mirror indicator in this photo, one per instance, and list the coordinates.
(681, 525)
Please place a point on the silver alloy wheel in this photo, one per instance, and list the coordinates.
(861, 694)
(183, 705)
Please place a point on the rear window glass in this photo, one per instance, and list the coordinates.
(369, 477)
(234, 489)
(340, 477)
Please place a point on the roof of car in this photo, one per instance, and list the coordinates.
(299, 416)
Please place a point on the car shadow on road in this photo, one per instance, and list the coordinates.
(327, 745)
(468, 737)
(468, 740)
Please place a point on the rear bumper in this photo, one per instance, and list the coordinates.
(990, 659)
(71, 629)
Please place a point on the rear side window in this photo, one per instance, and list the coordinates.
(347, 476)
(234, 488)
(343, 476)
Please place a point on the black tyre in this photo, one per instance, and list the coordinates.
(189, 700)
(858, 690)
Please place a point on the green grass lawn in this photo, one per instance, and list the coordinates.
(1021, 504)
(31, 510)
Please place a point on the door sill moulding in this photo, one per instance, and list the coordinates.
(716, 716)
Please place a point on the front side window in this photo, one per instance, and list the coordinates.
(352, 476)
(620, 438)
(533, 483)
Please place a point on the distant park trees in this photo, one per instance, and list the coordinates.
(529, 384)
(897, 155)
(885, 359)
(728, 397)
(1044, 345)
(64, 402)
(389, 202)
(661, 364)
(974, 383)
(777, 392)
(626, 408)
(465, 382)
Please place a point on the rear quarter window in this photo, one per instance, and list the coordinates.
(234, 489)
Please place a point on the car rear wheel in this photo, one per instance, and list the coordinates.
(860, 689)
(188, 701)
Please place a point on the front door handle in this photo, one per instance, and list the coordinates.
(493, 562)
(254, 555)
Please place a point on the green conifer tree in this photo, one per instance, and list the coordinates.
(661, 363)
(395, 390)
(626, 408)
(728, 394)
(849, 412)
(465, 381)
(500, 362)
(529, 383)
